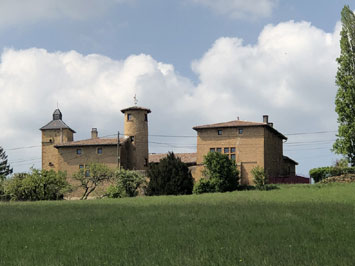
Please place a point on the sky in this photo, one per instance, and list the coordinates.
(192, 62)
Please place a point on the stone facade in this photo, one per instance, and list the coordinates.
(61, 153)
(250, 144)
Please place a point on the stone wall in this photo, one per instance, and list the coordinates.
(50, 138)
(247, 141)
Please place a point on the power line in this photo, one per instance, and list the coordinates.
(310, 133)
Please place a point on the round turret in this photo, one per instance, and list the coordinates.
(136, 128)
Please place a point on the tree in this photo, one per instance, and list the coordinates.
(169, 177)
(259, 177)
(345, 80)
(221, 172)
(5, 169)
(36, 185)
(126, 184)
(92, 176)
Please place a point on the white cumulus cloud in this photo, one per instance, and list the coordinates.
(240, 9)
(288, 74)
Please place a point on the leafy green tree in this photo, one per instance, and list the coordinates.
(126, 184)
(221, 172)
(169, 177)
(91, 177)
(36, 185)
(345, 80)
(5, 169)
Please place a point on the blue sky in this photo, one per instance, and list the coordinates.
(191, 61)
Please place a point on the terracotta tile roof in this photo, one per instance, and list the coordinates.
(188, 158)
(289, 159)
(238, 123)
(92, 142)
(136, 108)
(234, 123)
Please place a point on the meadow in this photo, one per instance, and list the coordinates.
(293, 225)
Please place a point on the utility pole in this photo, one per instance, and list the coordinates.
(118, 151)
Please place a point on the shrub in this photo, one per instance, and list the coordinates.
(169, 177)
(126, 184)
(321, 173)
(205, 185)
(346, 178)
(259, 177)
(36, 185)
(2, 190)
(221, 171)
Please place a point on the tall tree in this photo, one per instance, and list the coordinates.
(169, 177)
(5, 169)
(345, 80)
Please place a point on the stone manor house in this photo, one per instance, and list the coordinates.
(248, 143)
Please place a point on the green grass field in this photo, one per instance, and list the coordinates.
(294, 225)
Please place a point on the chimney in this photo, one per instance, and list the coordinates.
(271, 124)
(94, 133)
(266, 119)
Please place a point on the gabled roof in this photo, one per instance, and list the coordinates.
(238, 123)
(136, 108)
(92, 142)
(188, 158)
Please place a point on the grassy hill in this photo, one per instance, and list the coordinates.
(294, 225)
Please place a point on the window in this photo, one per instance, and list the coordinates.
(232, 149)
(78, 151)
(129, 117)
(212, 149)
(145, 117)
(87, 173)
(233, 157)
(145, 162)
(99, 150)
(240, 130)
(226, 150)
(81, 166)
(219, 149)
(219, 131)
(132, 138)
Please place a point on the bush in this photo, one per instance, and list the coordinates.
(205, 185)
(2, 190)
(220, 174)
(36, 185)
(169, 177)
(126, 184)
(321, 173)
(259, 177)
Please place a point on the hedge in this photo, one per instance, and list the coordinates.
(321, 173)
